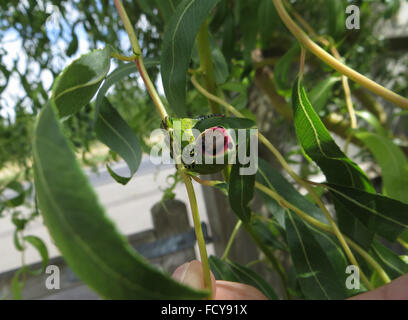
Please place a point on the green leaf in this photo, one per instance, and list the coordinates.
(39, 245)
(90, 243)
(226, 122)
(271, 178)
(231, 271)
(268, 233)
(220, 65)
(267, 20)
(118, 74)
(336, 17)
(316, 141)
(17, 284)
(391, 262)
(384, 216)
(240, 192)
(249, 27)
(78, 83)
(18, 199)
(223, 187)
(178, 42)
(166, 8)
(16, 240)
(319, 263)
(319, 145)
(281, 71)
(393, 163)
(114, 132)
(19, 223)
(373, 121)
(228, 37)
(222, 270)
(73, 45)
(322, 92)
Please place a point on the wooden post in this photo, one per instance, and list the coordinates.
(170, 217)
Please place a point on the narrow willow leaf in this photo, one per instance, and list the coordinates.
(336, 18)
(17, 284)
(226, 122)
(16, 240)
(223, 187)
(166, 8)
(391, 262)
(40, 246)
(249, 27)
(271, 178)
(113, 131)
(18, 198)
(316, 141)
(19, 223)
(78, 83)
(240, 192)
(320, 146)
(384, 216)
(393, 163)
(268, 234)
(86, 238)
(231, 271)
(319, 263)
(322, 92)
(220, 64)
(306, 263)
(221, 270)
(373, 121)
(281, 71)
(178, 42)
(228, 37)
(118, 74)
(267, 20)
(73, 45)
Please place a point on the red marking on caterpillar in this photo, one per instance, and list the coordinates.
(215, 141)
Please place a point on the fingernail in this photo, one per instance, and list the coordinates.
(190, 274)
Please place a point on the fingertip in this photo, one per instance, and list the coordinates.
(228, 290)
(191, 274)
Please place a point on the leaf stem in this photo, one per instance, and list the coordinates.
(231, 240)
(208, 183)
(305, 41)
(139, 60)
(198, 230)
(119, 56)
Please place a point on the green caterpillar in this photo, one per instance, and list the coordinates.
(220, 150)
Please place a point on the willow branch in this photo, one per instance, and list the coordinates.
(305, 41)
